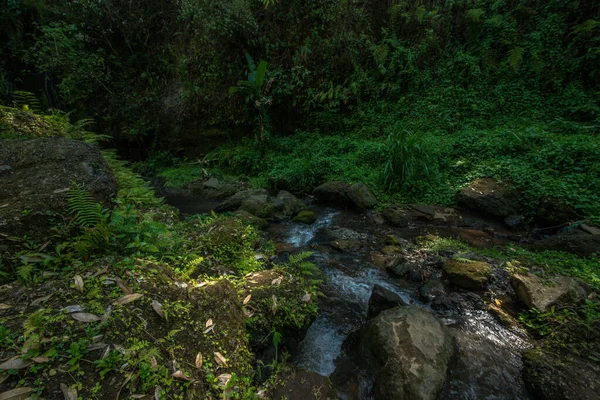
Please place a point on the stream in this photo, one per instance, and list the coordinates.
(488, 362)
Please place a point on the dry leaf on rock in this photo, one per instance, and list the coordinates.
(39, 301)
(209, 323)
(247, 299)
(224, 379)
(199, 360)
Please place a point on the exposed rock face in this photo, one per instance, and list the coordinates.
(467, 274)
(340, 194)
(578, 242)
(533, 292)
(395, 216)
(284, 206)
(409, 350)
(552, 377)
(35, 176)
(490, 197)
(301, 385)
(362, 197)
(383, 299)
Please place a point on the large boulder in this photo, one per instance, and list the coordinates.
(362, 197)
(408, 350)
(284, 206)
(553, 211)
(340, 194)
(534, 292)
(36, 176)
(395, 216)
(383, 299)
(234, 202)
(490, 197)
(553, 376)
(467, 274)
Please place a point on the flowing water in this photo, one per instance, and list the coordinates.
(487, 364)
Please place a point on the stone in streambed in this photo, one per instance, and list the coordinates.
(362, 197)
(490, 197)
(534, 292)
(305, 217)
(467, 274)
(395, 216)
(408, 350)
(259, 223)
(383, 299)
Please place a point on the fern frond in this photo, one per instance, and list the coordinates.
(27, 101)
(515, 57)
(475, 14)
(297, 259)
(87, 213)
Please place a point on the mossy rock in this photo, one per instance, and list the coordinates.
(306, 217)
(392, 250)
(257, 222)
(467, 274)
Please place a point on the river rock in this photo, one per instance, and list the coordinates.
(333, 192)
(37, 176)
(432, 289)
(383, 299)
(555, 376)
(553, 211)
(284, 206)
(490, 197)
(483, 368)
(467, 274)
(234, 202)
(257, 222)
(408, 350)
(362, 197)
(346, 244)
(456, 302)
(306, 217)
(533, 292)
(395, 216)
(341, 234)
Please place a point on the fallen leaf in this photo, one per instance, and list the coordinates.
(220, 359)
(199, 360)
(121, 283)
(16, 394)
(180, 375)
(106, 353)
(78, 282)
(247, 299)
(96, 346)
(120, 348)
(498, 302)
(274, 306)
(70, 393)
(41, 300)
(128, 298)
(32, 258)
(85, 317)
(40, 360)
(210, 328)
(73, 308)
(277, 281)
(224, 379)
(15, 363)
(100, 271)
(138, 396)
(158, 308)
(306, 298)
(4, 306)
(209, 323)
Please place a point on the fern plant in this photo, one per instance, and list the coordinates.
(27, 101)
(91, 218)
